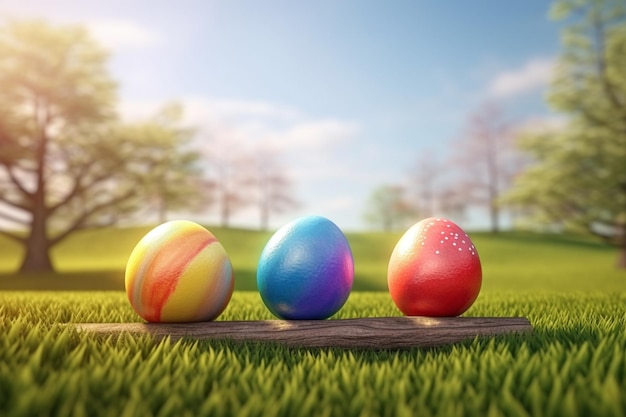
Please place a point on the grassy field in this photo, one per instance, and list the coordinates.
(511, 261)
(573, 365)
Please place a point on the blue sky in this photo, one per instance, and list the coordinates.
(349, 93)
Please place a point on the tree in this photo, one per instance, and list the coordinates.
(485, 155)
(273, 187)
(177, 180)
(231, 180)
(425, 181)
(453, 204)
(579, 175)
(388, 207)
(66, 163)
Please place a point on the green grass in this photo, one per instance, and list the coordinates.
(574, 364)
(511, 261)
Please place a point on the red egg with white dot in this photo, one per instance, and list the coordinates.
(434, 270)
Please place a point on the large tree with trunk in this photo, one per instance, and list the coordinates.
(66, 162)
(579, 178)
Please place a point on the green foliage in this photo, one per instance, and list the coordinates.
(58, 71)
(572, 365)
(67, 162)
(164, 169)
(388, 208)
(589, 82)
(579, 178)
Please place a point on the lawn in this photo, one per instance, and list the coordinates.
(511, 261)
(573, 364)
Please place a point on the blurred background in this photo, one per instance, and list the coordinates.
(245, 114)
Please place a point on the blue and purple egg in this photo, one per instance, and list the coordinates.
(306, 270)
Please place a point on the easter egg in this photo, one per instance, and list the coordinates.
(434, 270)
(179, 272)
(306, 270)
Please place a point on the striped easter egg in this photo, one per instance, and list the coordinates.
(179, 272)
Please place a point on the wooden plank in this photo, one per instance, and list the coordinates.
(374, 332)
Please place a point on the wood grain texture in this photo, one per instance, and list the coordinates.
(374, 332)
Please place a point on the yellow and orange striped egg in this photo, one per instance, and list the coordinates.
(179, 272)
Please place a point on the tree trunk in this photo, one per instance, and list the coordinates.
(621, 258)
(225, 210)
(37, 257)
(387, 223)
(162, 210)
(495, 217)
(265, 216)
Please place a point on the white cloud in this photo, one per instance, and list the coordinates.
(232, 108)
(315, 152)
(252, 122)
(201, 111)
(206, 113)
(315, 134)
(118, 33)
(533, 75)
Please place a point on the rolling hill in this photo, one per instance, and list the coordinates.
(512, 261)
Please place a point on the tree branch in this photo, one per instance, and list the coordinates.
(4, 199)
(371, 332)
(8, 167)
(76, 190)
(79, 223)
(78, 187)
(12, 236)
(607, 238)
